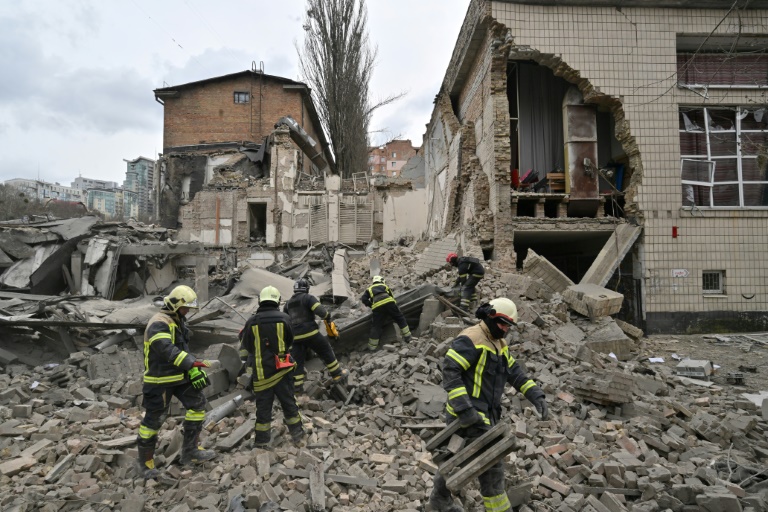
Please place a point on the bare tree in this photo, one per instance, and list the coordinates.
(337, 62)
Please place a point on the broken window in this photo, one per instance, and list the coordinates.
(724, 157)
(712, 282)
(257, 222)
(242, 97)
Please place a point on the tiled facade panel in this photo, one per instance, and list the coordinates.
(630, 55)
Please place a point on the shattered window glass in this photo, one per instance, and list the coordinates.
(724, 157)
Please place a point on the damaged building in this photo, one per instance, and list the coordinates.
(246, 166)
(624, 142)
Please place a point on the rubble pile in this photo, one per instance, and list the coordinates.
(622, 434)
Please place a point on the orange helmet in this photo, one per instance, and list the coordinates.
(451, 256)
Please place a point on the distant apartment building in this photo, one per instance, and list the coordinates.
(87, 183)
(107, 201)
(139, 179)
(43, 190)
(389, 159)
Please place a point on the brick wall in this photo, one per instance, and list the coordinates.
(207, 113)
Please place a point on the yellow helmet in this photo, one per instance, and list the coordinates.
(181, 297)
(504, 310)
(269, 293)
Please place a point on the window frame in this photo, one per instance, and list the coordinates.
(241, 95)
(738, 157)
(720, 290)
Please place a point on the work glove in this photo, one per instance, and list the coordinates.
(469, 417)
(198, 378)
(536, 396)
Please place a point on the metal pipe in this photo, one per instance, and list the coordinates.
(223, 410)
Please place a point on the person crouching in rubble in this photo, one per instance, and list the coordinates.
(302, 308)
(170, 370)
(471, 271)
(475, 370)
(266, 342)
(384, 310)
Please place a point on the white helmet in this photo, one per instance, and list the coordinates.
(181, 297)
(504, 311)
(378, 279)
(269, 293)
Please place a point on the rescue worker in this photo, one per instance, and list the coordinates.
(475, 371)
(471, 271)
(302, 308)
(384, 310)
(171, 370)
(266, 340)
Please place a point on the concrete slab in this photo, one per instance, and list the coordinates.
(72, 228)
(433, 256)
(254, 279)
(539, 267)
(340, 277)
(611, 255)
(592, 300)
(18, 275)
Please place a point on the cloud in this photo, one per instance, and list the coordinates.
(47, 94)
(224, 61)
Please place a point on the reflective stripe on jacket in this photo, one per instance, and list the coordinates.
(302, 308)
(475, 371)
(377, 295)
(166, 349)
(470, 266)
(266, 334)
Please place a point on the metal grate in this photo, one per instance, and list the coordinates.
(712, 281)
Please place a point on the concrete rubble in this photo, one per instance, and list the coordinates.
(622, 435)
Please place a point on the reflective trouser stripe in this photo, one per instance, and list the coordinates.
(263, 427)
(146, 432)
(497, 503)
(372, 343)
(297, 337)
(193, 415)
(405, 331)
(293, 421)
(333, 366)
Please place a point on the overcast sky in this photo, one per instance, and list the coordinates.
(78, 75)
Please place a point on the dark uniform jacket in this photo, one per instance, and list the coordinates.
(267, 334)
(302, 308)
(377, 295)
(475, 371)
(166, 349)
(468, 266)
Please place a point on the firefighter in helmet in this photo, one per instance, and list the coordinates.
(302, 307)
(471, 271)
(384, 310)
(266, 343)
(171, 370)
(476, 370)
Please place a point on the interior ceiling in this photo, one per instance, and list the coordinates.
(583, 239)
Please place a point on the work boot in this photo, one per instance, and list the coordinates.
(441, 500)
(191, 451)
(341, 375)
(298, 435)
(146, 460)
(408, 339)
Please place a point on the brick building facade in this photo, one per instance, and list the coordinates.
(389, 159)
(601, 107)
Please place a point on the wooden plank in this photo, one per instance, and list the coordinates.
(474, 448)
(444, 436)
(317, 487)
(480, 465)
